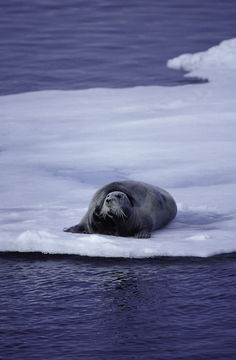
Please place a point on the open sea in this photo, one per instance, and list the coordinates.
(71, 307)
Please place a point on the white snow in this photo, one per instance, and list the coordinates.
(58, 147)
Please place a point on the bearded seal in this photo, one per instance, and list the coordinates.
(127, 208)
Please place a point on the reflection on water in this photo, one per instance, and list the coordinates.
(73, 307)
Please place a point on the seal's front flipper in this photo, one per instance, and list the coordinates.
(75, 229)
(143, 234)
(70, 229)
(97, 214)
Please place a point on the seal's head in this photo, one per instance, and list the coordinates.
(116, 204)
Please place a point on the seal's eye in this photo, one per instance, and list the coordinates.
(118, 196)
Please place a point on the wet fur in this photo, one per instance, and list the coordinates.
(145, 208)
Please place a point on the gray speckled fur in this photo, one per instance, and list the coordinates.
(150, 209)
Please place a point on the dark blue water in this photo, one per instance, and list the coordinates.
(65, 307)
(76, 44)
(58, 307)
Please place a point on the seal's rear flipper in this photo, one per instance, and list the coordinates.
(143, 234)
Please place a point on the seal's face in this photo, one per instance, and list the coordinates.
(117, 204)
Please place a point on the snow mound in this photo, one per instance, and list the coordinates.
(217, 62)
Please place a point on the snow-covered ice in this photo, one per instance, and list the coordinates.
(58, 147)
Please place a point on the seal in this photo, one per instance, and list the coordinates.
(127, 208)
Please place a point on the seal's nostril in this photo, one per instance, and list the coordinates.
(108, 200)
